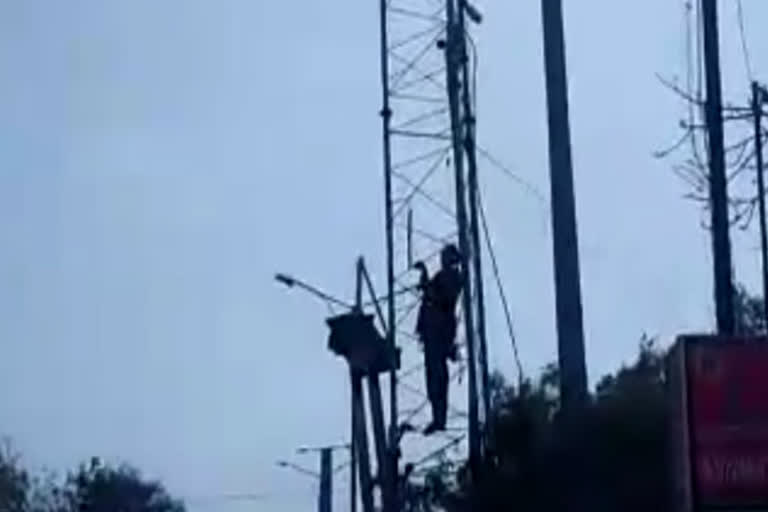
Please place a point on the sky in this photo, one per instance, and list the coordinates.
(160, 161)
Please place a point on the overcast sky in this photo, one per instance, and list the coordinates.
(159, 161)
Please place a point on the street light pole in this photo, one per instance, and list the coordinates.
(758, 97)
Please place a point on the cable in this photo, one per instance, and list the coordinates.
(699, 54)
(500, 286)
(744, 46)
(694, 98)
(453, 442)
(506, 170)
(218, 498)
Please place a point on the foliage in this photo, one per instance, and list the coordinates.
(14, 481)
(99, 488)
(750, 312)
(613, 458)
(93, 487)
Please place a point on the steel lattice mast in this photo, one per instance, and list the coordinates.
(430, 179)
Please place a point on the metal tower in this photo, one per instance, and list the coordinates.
(430, 182)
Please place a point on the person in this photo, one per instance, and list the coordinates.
(436, 328)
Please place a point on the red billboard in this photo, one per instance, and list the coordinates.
(726, 414)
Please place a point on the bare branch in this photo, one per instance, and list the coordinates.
(677, 90)
(738, 169)
(666, 152)
(695, 101)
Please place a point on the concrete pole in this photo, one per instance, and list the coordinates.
(325, 501)
(570, 331)
(718, 182)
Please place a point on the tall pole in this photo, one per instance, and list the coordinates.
(718, 183)
(361, 440)
(472, 187)
(453, 44)
(570, 331)
(326, 480)
(386, 118)
(757, 111)
(352, 458)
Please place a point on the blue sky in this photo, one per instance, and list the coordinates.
(159, 161)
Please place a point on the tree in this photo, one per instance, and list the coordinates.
(750, 312)
(14, 480)
(93, 487)
(100, 488)
(615, 458)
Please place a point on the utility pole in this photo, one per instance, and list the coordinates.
(570, 331)
(326, 480)
(718, 183)
(391, 465)
(325, 476)
(352, 460)
(757, 112)
(453, 55)
(472, 189)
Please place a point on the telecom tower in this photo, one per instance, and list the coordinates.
(428, 67)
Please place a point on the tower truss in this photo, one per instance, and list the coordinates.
(430, 178)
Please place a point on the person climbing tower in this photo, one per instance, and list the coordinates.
(436, 328)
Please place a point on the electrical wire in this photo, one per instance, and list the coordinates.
(222, 498)
(744, 46)
(531, 188)
(500, 286)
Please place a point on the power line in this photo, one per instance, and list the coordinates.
(500, 286)
(234, 497)
(531, 188)
(744, 46)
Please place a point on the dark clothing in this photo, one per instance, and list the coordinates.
(437, 315)
(436, 327)
(437, 385)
